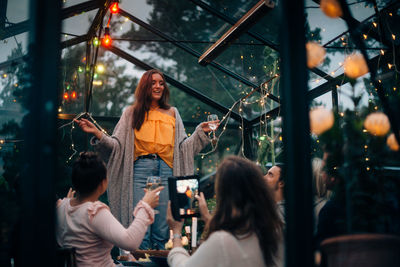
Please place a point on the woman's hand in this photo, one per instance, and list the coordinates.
(89, 127)
(71, 193)
(205, 214)
(152, 197)
(175, 226)
(206, 128)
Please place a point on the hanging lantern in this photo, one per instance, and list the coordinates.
(321, 120)
(331, 8)
(355, 66)
(392, 142)
(315, 54)
(377, 123)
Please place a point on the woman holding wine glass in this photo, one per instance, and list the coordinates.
(149, 140)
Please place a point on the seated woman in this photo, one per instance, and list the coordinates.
(88, 225)
(245, 229)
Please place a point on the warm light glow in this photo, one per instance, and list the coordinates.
(100, 68)
(96, 41)
(315, 54)
(106, 42)
(375, 24)
(377, 123)
(393, 37)
(114, 8)
(66, 96)
(355, 66)
(321, 120)
(331, 8)
(73, 95)
(390, 65)
(365, 36)
(382, 52)
(392, 142)
(97, 82)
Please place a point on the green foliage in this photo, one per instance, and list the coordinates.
(367, 191)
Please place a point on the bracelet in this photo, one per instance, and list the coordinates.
(176, 236)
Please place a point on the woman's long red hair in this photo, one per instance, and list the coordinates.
(143, 93)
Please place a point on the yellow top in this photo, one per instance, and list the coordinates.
(156, 136)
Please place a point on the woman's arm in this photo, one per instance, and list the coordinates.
(210, 253)
(197, 141)
(108, 227)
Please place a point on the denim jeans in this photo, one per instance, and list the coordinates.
(158, 233)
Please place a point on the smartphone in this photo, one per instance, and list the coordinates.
(182, 192)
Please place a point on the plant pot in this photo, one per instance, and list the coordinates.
(367, 250)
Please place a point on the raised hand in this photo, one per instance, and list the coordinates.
(152, 197)
(205, 214)
(206, 126)
(88, 127)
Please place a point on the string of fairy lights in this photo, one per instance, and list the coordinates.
(265, 90)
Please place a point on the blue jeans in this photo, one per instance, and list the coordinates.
(158, 233)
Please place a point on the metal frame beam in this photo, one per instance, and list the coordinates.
(12, 62)
(192, 52)
(251, 33)
(15, 29)
(74, 41)
(296, 153)
(241, 26)
(185, 88)
(40, 134)
(79, 8)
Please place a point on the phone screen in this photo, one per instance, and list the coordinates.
(182, 195)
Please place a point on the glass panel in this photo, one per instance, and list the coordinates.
(17, 11)
(14, 84)
(14, 47)
(77, 25)
(72, 86)
(68, 3)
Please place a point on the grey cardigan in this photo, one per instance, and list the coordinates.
(118, 151)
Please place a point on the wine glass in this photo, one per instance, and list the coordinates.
(152, 183)
(213, 126)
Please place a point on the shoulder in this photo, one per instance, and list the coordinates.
(171, 111)
(221, 235)
(95, 207)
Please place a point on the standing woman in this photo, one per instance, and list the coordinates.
(149, 140)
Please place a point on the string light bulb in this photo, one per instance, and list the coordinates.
(107, 41)
(114, 8)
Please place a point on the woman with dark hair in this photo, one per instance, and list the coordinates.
(149, 140)
(245, 229)
(86, 224)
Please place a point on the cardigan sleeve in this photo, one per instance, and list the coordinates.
(196, 142)
(107, 144)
